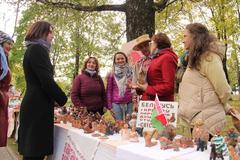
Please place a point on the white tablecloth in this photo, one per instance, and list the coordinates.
(72, 144)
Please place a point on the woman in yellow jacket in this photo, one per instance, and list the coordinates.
(204, 90)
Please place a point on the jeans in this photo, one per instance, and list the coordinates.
(120, 110)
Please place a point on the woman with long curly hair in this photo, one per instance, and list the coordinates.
(204, 90)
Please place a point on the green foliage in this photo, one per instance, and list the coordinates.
(89, 34)
(171, 21)
(220, 16)
(98, 33)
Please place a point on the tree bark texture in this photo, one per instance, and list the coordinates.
(140, 18)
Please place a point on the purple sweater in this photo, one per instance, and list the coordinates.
(113, 95)
(88, 91)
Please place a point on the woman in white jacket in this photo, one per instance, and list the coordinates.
(204, 90)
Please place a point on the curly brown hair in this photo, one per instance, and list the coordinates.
(162, 40)
(86, 61)
(201, 39)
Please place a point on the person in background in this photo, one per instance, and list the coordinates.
(6, 43)
(88, 88)
(161, 72)
(119, 96)
(204, 90)
(182, 66)
(35, 139)
(184, 59)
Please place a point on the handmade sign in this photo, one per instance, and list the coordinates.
(147, 111)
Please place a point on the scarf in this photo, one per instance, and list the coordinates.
(91, 72)
(4, 63)
(155, 53)
(121, 75)
(42, 42)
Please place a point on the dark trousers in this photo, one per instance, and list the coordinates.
(33, 158)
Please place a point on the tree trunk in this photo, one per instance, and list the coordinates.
(77, 56)
(225, 59)
(140, 18)
(238, 73)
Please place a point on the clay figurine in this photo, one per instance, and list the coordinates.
(125, 133)
(218, 141)
(186, 142)
(169, 132)
(200, 135)
(132, 123)
(172, 118)
(87, 128)
(118, 125)
(77, 124)
(166, 143)
(101, 127)
(214, 154)
(133, 137)
(109, 129)
(232, 153)
(127, 118)
(148, 139)
(232, 135)
(237, 148)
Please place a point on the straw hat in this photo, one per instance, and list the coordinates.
(140, 40)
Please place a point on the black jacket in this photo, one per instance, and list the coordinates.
(37, 108)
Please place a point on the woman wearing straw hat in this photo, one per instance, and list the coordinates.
(6, 43)
(141, 67)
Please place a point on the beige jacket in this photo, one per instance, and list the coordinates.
(203, 94)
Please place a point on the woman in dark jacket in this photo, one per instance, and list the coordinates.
(37, 108)
(88, 88)
(161, 72)
(6, 43)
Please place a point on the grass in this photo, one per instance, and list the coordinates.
(236, 105)
(12, 144)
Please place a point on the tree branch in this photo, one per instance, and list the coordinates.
(80, 7)
(162, 5)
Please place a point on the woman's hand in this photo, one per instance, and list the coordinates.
(131, 85)
(134, 98)
(142, 87)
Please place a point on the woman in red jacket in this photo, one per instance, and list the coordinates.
(161, 72)
(6, 43)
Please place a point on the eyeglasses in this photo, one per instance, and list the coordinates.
(144, 45)
(151, 42)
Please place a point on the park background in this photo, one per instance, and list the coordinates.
(99, 28)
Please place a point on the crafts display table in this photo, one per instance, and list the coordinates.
(72, 144)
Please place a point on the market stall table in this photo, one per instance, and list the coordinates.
(72, 143)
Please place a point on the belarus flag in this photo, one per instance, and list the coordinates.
(158, 118)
